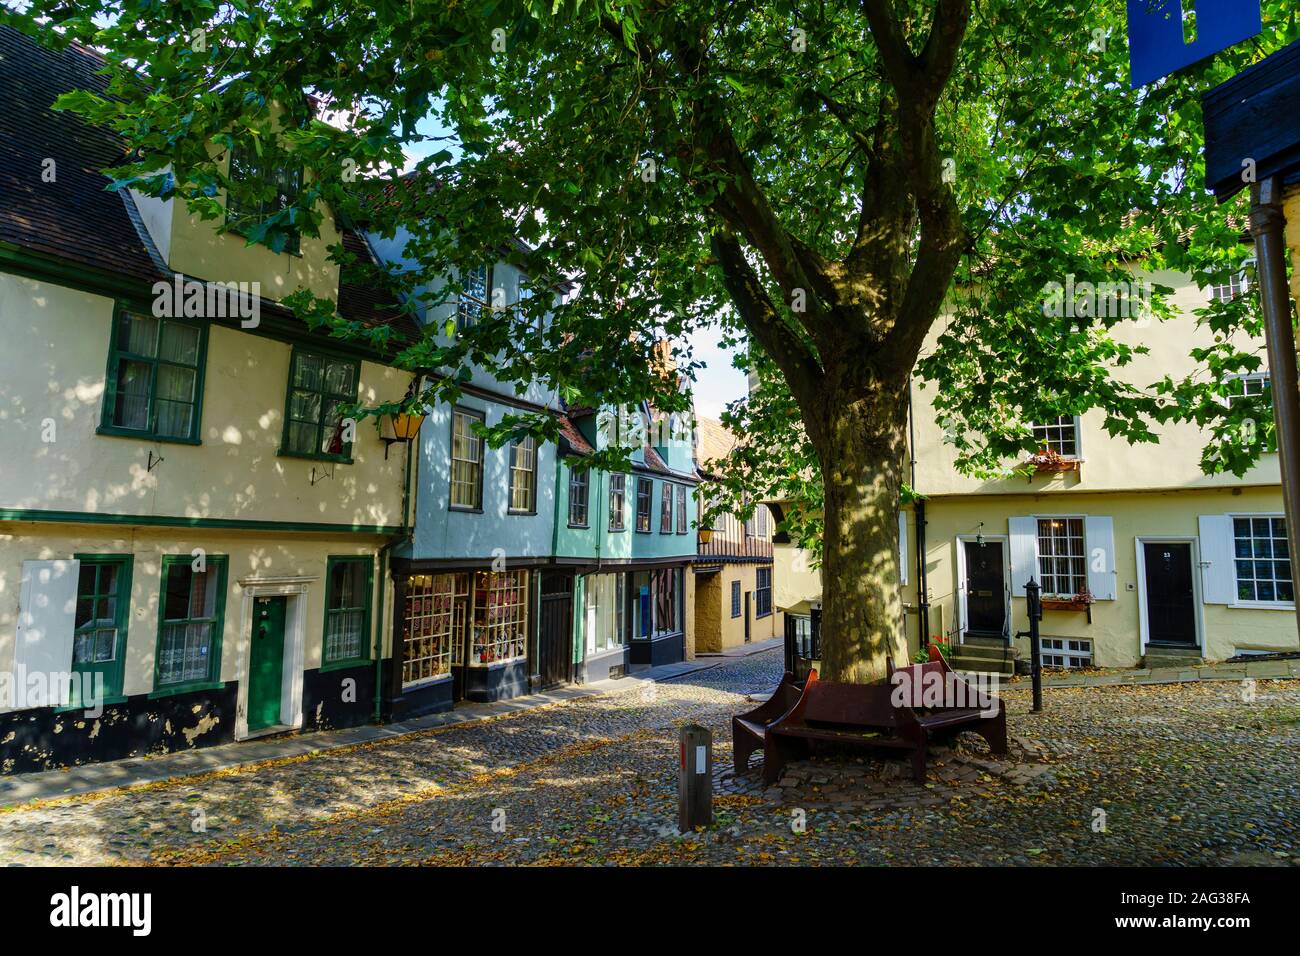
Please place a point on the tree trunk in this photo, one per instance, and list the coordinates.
(863, 454)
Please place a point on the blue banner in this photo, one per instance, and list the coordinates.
(1167, 35)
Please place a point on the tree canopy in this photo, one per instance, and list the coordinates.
(824, 178)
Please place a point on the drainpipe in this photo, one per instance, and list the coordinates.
(918, 507)
(404, 535)
(1267, 225)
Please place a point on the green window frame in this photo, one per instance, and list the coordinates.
(349, 590)
(276, 182)
(617, 501)
(320, 384)
(153, 386)
(666, 508)
(103, 611)
(179, 637)
(465, 489)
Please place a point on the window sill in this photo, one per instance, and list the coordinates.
(522, 514)
(108, 701)
(427, 682)
(114, 431)
(336, 459)
(1263, 605)
(579, 527)
(492, 664)
(463, 509)
(345, 665)
(186, 689)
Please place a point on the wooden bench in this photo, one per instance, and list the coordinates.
(941, 722)
(865, 715)
(749, 729)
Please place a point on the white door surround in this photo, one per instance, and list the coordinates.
(1198, 606)
(295, 645)
(1005, 541)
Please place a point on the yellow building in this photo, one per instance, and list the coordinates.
(1142, 557)
(733, 573)
(191, 534)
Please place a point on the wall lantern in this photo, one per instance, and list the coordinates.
(706, 534)
(403, 426)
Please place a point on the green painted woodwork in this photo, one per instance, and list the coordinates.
(266, 662)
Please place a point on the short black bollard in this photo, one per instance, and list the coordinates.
(1034, 602)
(695, 779)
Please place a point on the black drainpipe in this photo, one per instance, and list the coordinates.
(918, 507)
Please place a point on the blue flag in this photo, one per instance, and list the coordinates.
(1167, 35)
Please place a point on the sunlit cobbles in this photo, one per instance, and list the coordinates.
(594, 782)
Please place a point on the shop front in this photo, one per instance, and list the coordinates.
(463, 635)
(632, 618)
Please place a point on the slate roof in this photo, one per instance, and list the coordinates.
(75, 218)
(72, 218)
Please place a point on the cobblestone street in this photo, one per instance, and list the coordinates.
(1174, 773)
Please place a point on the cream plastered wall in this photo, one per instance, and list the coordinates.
(688, 609)
(198, 249)
(1291, 209)
(251, 556)
(1109, 464)
(54, 364)
(708, 611)
(1115, 630)
(796, 584)
(727, 631)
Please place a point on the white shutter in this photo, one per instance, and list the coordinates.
(47, 612)
(902, 546)
(1218, 574)
(1099, 539)
(1024, 553)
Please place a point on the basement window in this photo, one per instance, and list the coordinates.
(1067, 653)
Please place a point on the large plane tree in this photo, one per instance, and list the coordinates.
(829, 179)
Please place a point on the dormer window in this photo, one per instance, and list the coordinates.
(270, 184)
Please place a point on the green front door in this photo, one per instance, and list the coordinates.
(266, 664)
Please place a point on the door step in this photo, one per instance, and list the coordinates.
(1158, 655)
(984, 655)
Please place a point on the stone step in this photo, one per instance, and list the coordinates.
(983, 665)
(985, 652)
(1157, 656)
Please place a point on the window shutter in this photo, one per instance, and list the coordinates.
(1024, 553)
(1099, 539)
(47, 616)
(1218, 575)
(902, 546)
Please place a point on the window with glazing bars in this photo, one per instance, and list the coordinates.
(433, 625)
(523, 475)
(347, 610)
(320, 387)
(578, 487)
(466, 461)
(735, 599)
(189, 620)
(666, 508)
(473, 298)
(617, 501)
(1062, 566)
(155, 377)
(681, 509)
(1262, 559)
(644, 497)
(1060, 435)
(763, 593)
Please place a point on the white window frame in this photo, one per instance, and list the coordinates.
(1078, 435)
(1240, 280)
(1038, 555)
(1084, 658)
(1237, 602)
(1245, 377)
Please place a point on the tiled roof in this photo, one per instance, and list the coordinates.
(72, 218)
(713, 441)
(75, 218)
(570, 433)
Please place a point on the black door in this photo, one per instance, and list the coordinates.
(1171, 612)
(986, 606)
(555, 633)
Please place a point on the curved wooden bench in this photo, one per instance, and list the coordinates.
(749, 730)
